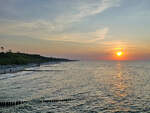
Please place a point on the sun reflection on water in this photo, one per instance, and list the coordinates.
(120, 87)
(114, 86)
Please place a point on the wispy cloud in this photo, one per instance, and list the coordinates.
(95, 7)
(87, 37)
(51, 29)
(86, 9)
(43, 30)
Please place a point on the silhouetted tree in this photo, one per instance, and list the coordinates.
(2, 48)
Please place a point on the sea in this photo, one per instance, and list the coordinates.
(79, 87)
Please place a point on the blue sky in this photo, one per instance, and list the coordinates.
(82, 29)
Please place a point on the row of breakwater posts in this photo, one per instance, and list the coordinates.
(15, 103)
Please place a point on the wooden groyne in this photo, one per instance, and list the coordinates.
(15, 103)
(9, 104)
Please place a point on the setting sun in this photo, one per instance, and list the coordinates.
(119, 53)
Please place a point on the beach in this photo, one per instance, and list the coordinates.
(4, 69)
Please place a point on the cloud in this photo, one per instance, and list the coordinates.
(47, 29)
(38, 29)
(87, 37)
(96, 7)
(86, 9)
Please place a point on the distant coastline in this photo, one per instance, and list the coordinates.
(13, 62)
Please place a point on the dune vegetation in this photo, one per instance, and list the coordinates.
(10, 58)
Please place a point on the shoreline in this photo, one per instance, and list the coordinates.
(13, 62)
(4, 69)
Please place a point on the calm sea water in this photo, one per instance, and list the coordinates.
(96, 87)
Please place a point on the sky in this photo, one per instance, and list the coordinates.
(77, 29)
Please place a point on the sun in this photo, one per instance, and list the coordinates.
(119, 53)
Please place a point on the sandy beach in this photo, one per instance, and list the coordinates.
(4, 69)
(13, 68)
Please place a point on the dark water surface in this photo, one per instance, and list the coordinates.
(95, 87)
